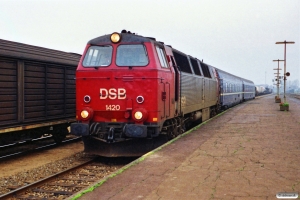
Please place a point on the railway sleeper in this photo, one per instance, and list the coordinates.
(39, 190)
(68, 185)
(78, 179)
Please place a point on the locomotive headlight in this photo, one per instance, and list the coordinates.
(138, 115)
(115, 37)
(84, 114)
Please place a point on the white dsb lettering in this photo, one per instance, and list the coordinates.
(113, 93)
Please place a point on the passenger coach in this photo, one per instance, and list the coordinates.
(234, 89)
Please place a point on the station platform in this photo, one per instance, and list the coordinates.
(249, 152)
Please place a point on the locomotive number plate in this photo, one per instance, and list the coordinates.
(113, 107)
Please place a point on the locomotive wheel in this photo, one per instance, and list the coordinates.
(180, 126)
(213, 112)
(175, 129)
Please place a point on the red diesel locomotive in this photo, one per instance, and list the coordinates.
(133, 93)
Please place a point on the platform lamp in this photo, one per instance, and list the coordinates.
(285, 73)
(277, 75)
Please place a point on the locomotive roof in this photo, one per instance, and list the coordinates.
(30, 52)
(126, 37)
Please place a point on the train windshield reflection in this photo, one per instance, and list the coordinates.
(132, 55)
(98, 56)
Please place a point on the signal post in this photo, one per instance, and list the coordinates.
(285, 73)
(277, 98)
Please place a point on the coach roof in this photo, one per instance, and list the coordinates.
(30, 52)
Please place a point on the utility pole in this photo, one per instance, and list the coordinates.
(277, 78)
(284, 75)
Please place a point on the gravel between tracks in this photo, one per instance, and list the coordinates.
(30, 168)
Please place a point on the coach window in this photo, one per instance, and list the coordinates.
(132, 55)
(162, 57)
(98, 56)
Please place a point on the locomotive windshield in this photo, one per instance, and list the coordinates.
(98, 56)
(132, 55)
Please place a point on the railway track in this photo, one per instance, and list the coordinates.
(68, 182)
(17, 149)
(297, 96)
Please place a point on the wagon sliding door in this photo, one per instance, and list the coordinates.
(8, 91)
(49, 91)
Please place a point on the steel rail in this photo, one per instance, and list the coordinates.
(30, 150)
(14, 193)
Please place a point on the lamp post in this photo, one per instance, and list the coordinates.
(284, 75)
(277, 74)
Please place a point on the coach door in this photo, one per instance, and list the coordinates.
(166, 82)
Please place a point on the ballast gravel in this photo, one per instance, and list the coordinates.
(30, 176)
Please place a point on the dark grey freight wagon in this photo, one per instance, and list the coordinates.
(37, 92)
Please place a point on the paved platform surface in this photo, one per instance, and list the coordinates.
(250, 152)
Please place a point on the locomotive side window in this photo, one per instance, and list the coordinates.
(132, 55)
(98, 56)
(195, 66)
(205, 70)
(161, 56)
(182, 62)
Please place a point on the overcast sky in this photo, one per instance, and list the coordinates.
(237, 36)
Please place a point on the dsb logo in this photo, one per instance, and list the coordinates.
(112, 93)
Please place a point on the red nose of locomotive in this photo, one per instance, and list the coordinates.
(116, 91)
(114, 105)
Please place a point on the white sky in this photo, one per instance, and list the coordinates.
(237, 36)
